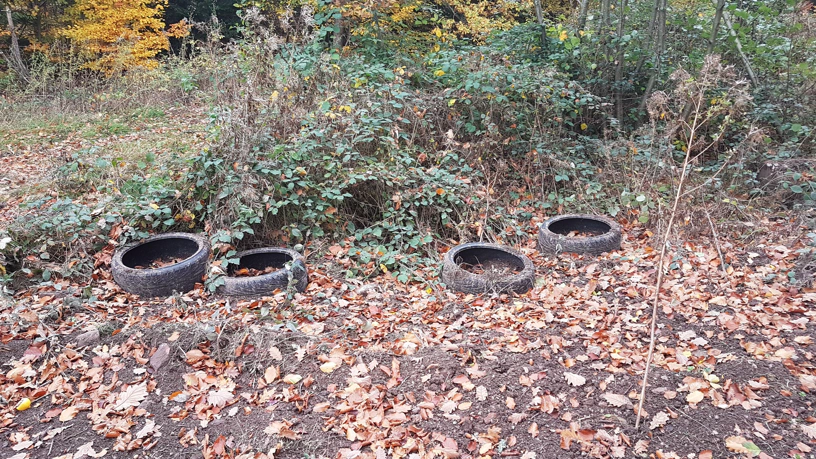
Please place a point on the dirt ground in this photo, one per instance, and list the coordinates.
(385, 370)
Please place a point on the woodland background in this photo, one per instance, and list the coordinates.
(377, 134)
(392, 124)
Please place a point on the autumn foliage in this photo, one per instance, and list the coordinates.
(116, 35)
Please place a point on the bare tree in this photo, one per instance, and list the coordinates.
(659, 15)
(716, 26)
(582, 15)
(540, 19)
(15, 59)
(619, 62)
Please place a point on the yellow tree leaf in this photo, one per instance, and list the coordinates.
(116, 35)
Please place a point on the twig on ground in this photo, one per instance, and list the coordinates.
(660, 270)
(716, 240)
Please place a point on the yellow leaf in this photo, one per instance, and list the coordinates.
(292, 378)
(330, 366)
(712, 378)
(695, 397)
(117, 35)
(24, 404)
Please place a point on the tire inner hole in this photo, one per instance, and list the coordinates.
(159, 254)
(258, 264)
(579, 227)
(489, 262)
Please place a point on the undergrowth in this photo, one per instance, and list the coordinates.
(389, 155)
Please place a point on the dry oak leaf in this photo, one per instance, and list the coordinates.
(510, 402)
(810, 431)
(132, 396)
(281, 428)
(464, 381)
(659, 420)
(448, 407)
(515, 418)
(481, 393)
(148, 429)
(742, 445)
(22, 445)
(808, 381)
(87, 450)
(219, 397)
(271, 374)
(707, 454)
(533, 430)
(617, 399)
(321, 407)
(275, 353)
(574, 379)
(642, 446)
(194, 356)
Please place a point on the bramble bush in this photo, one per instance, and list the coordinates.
(387, 151)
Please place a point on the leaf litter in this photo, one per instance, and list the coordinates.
(398, 371)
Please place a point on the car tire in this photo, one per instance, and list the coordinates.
(553, 236)
(266, 284)
(462, 280)
(162, 281)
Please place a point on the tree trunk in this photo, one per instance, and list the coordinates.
(15, 60)
(659, 49)
(651, 37)
(582, 15)
(727, 18)
(337, 39)
(619, 64)
(715, 28)
(540, 19)
(603, 24)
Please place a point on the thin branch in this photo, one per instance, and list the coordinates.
(745, 61)
(716, 240)
(659, 283)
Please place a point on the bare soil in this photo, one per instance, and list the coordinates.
(392, 370)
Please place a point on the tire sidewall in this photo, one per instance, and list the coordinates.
(156, 281)
(601, 243)
(265, 283)
(459, 279)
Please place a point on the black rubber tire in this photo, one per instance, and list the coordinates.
(180, 277)
(552, 236)
(266, 284)
(459, 279)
